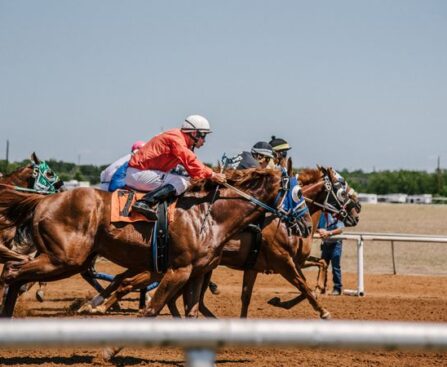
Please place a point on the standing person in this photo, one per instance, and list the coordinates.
(149, 169)
(111, 171)
(331, 249)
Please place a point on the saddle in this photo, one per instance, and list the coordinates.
(122, 201)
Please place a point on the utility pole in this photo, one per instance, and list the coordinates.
(439, 177)
(7, 156)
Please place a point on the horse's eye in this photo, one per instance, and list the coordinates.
(49, 174)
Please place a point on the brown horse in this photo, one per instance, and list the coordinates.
(70, 228)
(34, 177)
(282, 250)
(25, 178)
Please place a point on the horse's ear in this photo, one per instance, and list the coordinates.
(34, 158)
(289, 167)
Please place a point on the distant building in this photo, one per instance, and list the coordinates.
(393, 198)
(73, 184)
(420, 199)
(368, 198)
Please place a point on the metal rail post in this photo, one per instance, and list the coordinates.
(394, 260)
(200, 357)
(360, 280)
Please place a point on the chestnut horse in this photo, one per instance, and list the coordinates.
(69, 229)
(282, 250)
(34, 177)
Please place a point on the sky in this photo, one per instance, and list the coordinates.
(351, 84)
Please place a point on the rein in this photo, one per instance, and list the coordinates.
(24, 189)
(257, 202)
(326, 206)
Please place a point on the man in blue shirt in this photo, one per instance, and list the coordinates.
(331, 248)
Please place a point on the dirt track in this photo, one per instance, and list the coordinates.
(388, 297)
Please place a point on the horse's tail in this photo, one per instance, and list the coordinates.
(16, 208)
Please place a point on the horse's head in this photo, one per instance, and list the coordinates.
(43, 178)
(293, 207)
(331, 193)
(36, 176)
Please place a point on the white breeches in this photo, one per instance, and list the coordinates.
(148, 180)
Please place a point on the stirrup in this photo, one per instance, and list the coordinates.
(143, 208)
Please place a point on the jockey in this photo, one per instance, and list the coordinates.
(111, 172)
(280, 148)
(149, 169)
(260, 155)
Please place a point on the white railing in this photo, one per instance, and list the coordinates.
(392, 237)
(201, 338)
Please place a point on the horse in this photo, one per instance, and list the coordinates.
(34, 177)
(37, 177)
(69, 229)
(282, 250)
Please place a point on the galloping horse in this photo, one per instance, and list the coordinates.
(35, 177)
(70, 228)
(282, 249)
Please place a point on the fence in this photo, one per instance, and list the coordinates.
(201, 338)
(392, 237)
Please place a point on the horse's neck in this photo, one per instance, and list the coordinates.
(311, 192)
(13, 179)
(19, 177)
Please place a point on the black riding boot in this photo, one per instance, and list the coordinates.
(146, 204)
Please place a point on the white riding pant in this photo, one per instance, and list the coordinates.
(148, 180)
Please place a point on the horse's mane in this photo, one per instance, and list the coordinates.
(309, 175)
(13, 173)
(16, 207)
(248, 179)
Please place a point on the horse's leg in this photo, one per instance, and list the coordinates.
(170, 284)
(126, 286)
(322, 272)
(191, 296)
(172, 305)
(11, 299)
(204, 310)
(247, 290)
(3, 287)
(96, 303)
(295, 276)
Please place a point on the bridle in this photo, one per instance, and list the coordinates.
(337, 201)
(43, 180)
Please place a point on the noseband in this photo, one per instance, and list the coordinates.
(336, 194)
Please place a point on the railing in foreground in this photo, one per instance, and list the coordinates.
(360, 237)
(200, 338)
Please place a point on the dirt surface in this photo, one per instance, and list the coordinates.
(402, 297)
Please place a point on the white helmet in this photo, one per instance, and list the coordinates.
(196, 123)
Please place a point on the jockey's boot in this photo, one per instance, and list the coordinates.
(146, 205)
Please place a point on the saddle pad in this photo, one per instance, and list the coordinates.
(121, 207)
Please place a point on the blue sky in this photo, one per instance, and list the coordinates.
(352, 84)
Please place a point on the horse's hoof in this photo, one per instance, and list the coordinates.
(40, 295)
(115, 307)
(326, 315)
(275, 301)
(85, 309)
(100, 310)
(109, 352)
